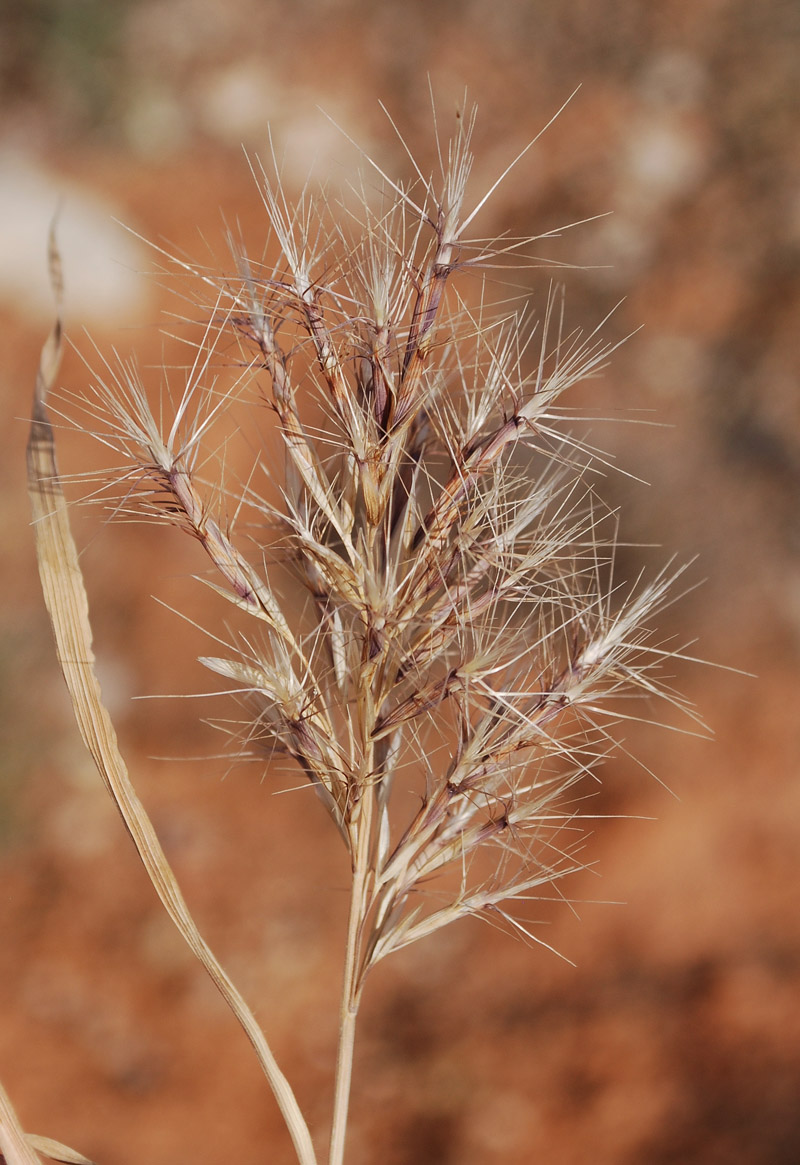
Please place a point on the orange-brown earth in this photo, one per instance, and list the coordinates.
(675, 1037)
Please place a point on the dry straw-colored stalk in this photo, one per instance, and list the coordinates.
(462, 635)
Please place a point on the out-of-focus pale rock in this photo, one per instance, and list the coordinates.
(242, 105)
(238, 103)
(664, 158)
(103, 264)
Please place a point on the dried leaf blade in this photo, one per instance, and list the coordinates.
(68, 608)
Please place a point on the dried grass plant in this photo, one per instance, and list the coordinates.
(462, 634)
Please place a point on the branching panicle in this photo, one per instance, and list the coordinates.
(458, 636)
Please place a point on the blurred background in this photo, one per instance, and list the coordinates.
(675, 1036)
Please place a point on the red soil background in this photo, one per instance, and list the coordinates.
(675, 1037)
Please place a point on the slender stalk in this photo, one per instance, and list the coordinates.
(351, 986)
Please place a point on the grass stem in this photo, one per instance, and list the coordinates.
(351, 986)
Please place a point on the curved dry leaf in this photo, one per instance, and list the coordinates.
(56, 1151)
(67, 605)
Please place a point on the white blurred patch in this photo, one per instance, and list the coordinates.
(102, 262)
(664, 158)
(237, 104)
(242, 103)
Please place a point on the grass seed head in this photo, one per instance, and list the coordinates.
(461, 634)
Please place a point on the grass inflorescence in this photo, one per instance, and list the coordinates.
(462, 634)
